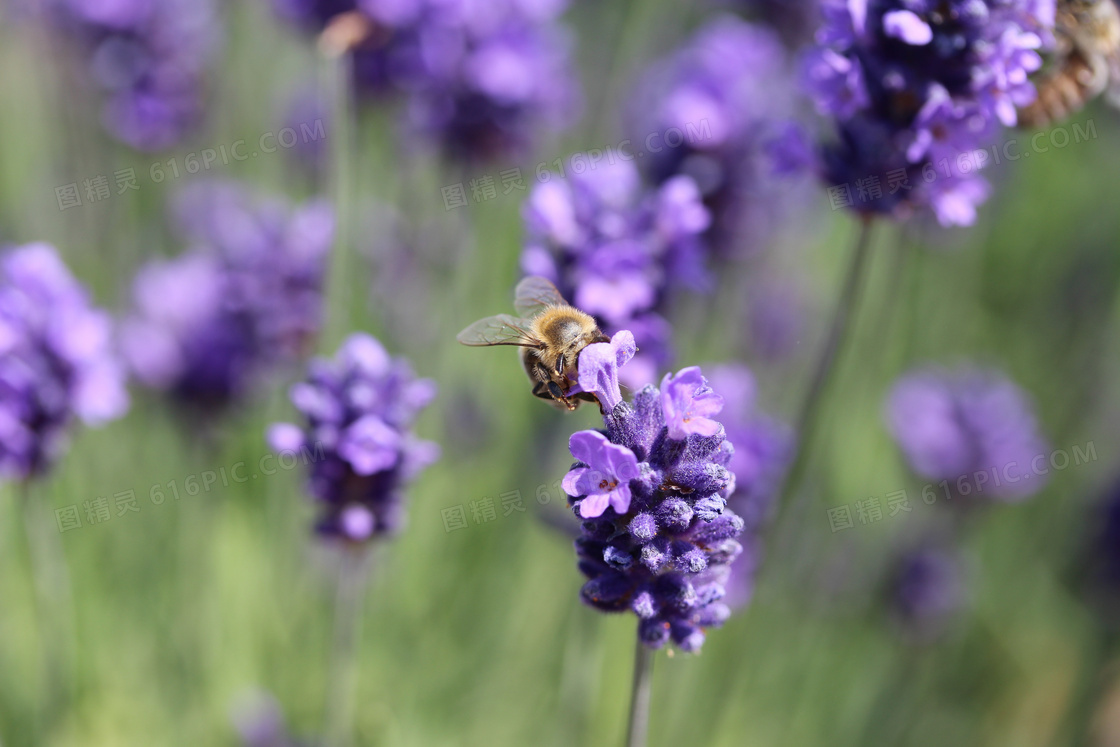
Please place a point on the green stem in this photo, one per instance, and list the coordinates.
(639, 696)
(349, 596)
(838, 335)
(54, 606)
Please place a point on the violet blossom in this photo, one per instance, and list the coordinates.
(212, 323)
(56, 361)
(148, 60)
(477, 78)
(719, 110)
(973, 429)
(358, 410)
(916, 88)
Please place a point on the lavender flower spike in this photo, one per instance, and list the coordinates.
(971, 427)
(148, 60)
(56, 361)
(657, 536)
(359, 409)
(210, 325)
(914, 84)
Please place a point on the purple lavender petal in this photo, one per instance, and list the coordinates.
(907, 26)
(687, 402)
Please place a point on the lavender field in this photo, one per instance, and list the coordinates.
(506, 372)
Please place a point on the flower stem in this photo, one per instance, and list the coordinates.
(51, 581)
(838, 335)
(639, 696)
(350, 594)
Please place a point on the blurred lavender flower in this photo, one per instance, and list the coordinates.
(615, 250)
(259, 722)
(927, 590)
(957, 426)
(359, 410)
(1097, 559)
(149, 59)
(56, 361)
(657, 536)
(478, 78)
(795, 20)
(763, 448)
(727, 97)
(208, 324)
(914, 85)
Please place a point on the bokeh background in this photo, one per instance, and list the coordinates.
(177, 622)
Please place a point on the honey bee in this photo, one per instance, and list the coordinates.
(1085, 62)
(551, 334)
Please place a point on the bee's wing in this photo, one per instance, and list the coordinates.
(502, 329)
(534, 294)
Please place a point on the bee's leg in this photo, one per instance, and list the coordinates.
(588, 397)
(1094, 76)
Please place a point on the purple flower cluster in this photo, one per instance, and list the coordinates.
(652, 488)
(478, 77)
(615, 249)
(956, 425)
(359, 409)
(915, 84)
(56, 361)
(148, 58)
(727, 92)
(209, 323)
